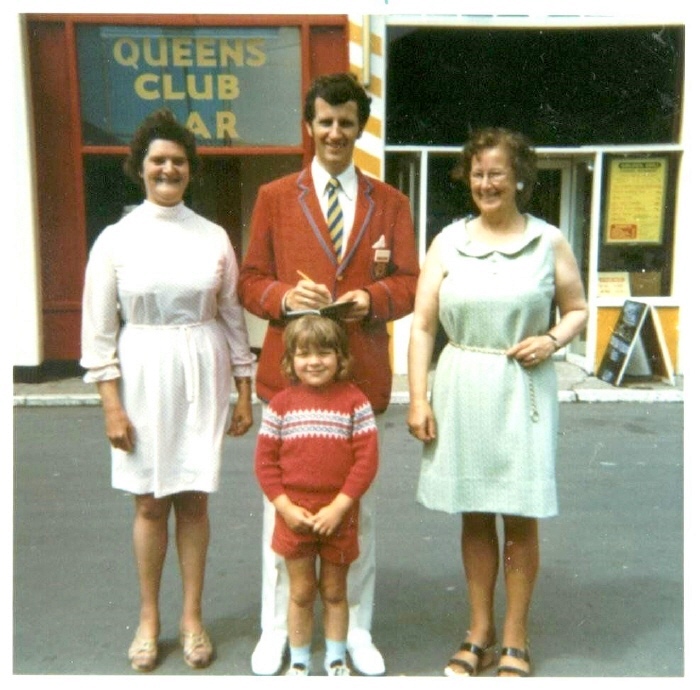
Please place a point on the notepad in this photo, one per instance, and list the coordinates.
(337, 311)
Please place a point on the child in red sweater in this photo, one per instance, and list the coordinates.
(316, 455)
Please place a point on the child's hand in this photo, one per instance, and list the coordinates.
(298, 519)
(328, 518)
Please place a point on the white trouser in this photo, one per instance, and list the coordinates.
(361, 575)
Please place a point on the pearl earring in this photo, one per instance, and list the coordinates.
(520, 186)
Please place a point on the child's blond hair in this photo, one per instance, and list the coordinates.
(313, 332)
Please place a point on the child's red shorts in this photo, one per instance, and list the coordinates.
(341, 547)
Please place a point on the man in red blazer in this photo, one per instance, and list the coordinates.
(291, 264)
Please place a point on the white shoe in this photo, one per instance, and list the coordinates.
(366, 658)
(268, 655)
(337, 668)
(297, 670)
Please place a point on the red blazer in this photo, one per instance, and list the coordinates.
(289, 233)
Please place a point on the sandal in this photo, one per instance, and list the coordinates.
(485, 656)
(143, 652)
(198, 649)
(515, 653)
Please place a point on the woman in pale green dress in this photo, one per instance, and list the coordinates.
(489, 428)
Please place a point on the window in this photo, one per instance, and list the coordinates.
(638, 220)
(560, 87)
(225, 84)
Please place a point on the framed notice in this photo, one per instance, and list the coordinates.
(635, 200)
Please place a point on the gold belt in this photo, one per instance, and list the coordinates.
(534, 414)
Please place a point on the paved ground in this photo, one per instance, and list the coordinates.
(609, 601)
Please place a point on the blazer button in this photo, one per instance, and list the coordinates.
(339, 277)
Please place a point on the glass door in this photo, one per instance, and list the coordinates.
(562, 197)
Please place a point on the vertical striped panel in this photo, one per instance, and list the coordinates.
(369, 149)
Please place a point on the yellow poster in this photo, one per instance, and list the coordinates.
(636, 193)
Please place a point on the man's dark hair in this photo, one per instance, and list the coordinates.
(337, 89)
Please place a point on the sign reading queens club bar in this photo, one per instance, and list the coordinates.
(230, 86)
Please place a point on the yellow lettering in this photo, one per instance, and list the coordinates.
(182, 52)
(205, 52)
(169, 93)
(256, 53)
(207, 94)
(230, 50)
(196, 124)
(160, 60)
(126, 52)
(141, 86)
(227, 87)
(226, 125)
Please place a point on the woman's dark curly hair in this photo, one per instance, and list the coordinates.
(313, 332)
(523, 158)
(160, 124)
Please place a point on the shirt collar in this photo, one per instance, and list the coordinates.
(347, 179)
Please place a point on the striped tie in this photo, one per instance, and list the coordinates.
(335, 216)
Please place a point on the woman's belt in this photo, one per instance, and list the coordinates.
(534, 414)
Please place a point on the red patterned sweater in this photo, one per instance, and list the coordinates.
(320, 441)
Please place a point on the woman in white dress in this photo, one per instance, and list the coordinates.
(162, 334)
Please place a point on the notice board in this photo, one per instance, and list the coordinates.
(636, 200)
(637, 333)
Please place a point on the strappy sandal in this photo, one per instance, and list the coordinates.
(515, 653)
(198, 649)
(485, 657)
(143, 653)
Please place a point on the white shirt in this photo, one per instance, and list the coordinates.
(347, 194)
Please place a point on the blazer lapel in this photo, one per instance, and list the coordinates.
(311, 208)
(364, 210)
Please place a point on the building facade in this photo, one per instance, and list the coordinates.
(604, 101)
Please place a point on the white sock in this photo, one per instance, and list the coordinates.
(335, 650)
(300, 655)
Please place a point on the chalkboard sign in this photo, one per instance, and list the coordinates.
(637, 332)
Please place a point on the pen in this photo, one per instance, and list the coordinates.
(304, 276)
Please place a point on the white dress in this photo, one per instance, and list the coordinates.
(160, 312)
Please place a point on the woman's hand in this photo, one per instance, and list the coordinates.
(241, 418)
(421, 421)
(242, 415)
(119, 429)
(533, 350)
(118, 426)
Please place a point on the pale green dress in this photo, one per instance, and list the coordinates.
(496, 421)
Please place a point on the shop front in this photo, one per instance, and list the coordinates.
(236, 81)
(602, 104)
(603, 101)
